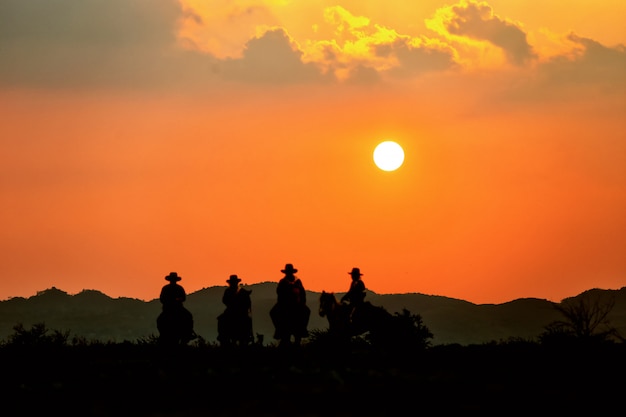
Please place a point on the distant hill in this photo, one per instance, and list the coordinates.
(96, 316)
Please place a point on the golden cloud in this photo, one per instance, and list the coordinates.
(344, 45)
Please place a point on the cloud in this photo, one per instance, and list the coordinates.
(361, 75)
(361, 46)
(587, 70)
(146, 45)
(111, 23)
(417, 59)
(476, 20)
(69, 43)
(143, 44)
(591, 63)
(272, 58)
(222, 28)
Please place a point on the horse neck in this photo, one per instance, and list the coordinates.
(244, 302)
(334, 305)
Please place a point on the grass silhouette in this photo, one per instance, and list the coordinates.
(48, 371)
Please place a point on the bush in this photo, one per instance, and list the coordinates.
(584, 322)
(37, 335)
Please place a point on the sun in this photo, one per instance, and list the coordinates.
(388, 155)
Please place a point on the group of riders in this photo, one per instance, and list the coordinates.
(290, 315)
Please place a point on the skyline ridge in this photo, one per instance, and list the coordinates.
(93, 314)
(40, 292)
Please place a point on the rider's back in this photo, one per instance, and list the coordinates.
(172, 296)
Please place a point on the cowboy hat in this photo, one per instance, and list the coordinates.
(289, 269)
(173, 276)
(355, 271)
(233, 279)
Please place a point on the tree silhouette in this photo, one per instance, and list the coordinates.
(585, 319)
(402, 332)
(37, 335)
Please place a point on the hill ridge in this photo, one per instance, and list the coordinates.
(95, 315)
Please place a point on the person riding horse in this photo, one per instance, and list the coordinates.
(234, 325)
(290, 314)
(355, 297)
(175, 323)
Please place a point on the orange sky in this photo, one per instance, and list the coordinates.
(231, 137)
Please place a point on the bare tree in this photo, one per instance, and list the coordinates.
(585, 318)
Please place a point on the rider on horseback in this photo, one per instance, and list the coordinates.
(231, 293)
(172, 295)
(175, 322)
(290, 314)
(356, 294)
(235, 323)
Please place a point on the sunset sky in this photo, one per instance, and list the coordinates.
(217, 137)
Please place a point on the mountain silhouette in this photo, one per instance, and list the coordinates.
(93, 315)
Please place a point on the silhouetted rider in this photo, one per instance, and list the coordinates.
(355, 296)
(231, 297)
(172, 295)
(175, 323)
(290, 314)
(235, 323)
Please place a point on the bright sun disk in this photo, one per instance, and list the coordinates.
(388, 155)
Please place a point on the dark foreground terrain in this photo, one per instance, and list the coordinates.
(130, 379)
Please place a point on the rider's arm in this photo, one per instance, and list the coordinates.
(181, 296)
(303, 291)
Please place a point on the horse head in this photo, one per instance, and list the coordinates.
(327, 303)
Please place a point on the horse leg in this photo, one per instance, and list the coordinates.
(164, 325)
(245, 333)
(226, 332)
(189, 334)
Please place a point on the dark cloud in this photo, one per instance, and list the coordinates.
(128, 44)
(103, 23)
(84, 44)
(416, 60)
(477, 21)
(362, 75)
(596, 64)
(593, 70)
(272, 59)
(405, 60)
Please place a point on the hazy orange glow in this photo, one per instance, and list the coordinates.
(231, 140)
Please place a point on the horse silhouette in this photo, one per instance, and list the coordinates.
(234, 325)
(290, 322)
(175, 327)
(344, 322)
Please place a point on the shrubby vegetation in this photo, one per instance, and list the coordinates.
(584, 322)
(395, 372)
